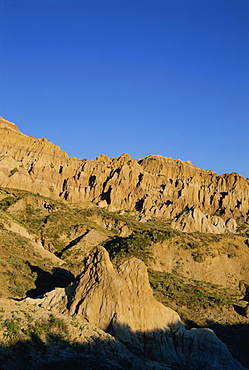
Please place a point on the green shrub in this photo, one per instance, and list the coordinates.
(177, 291)
(12, 172)
(5, 203)
(12, 328)
(198, 256)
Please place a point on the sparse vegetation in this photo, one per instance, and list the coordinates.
(180, 292)
(17, 329)
(5, 203)
(13, 171)
(60, 226)
(198, 256)
(137, 244)
(12, 329)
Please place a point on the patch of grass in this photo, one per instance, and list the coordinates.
(179, 292)
(13, 171)
(138, 244)
(183, 314)
(44, 328)
(55, 322)
(20, 276)
(198, 256)
(12, 328)
(190, 245)
(5, 203)
(28, 317)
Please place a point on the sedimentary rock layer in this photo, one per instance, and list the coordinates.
(153, 186)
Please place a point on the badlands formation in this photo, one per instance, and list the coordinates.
(164, 223)
(121, 302)
(153, 186)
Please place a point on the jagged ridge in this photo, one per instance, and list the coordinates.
(154, 186)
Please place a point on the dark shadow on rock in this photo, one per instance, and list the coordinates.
(236, 338)
(190, 324)
(96, 354)
(115, 245)
(71, 244)
(57, 354)
(46, 282)
(240, 310)
(177, 350)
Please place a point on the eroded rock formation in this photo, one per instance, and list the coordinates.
(121, 302)
(195, 220)
(153, 186)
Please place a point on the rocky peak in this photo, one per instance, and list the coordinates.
(6, 125)
(121, 302)
(118, 297)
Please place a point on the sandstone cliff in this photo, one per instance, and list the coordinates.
(151, 187)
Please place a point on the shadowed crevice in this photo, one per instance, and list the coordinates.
(46, 281)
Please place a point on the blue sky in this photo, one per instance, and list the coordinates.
(168, 77)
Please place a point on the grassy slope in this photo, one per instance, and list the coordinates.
(59, 225)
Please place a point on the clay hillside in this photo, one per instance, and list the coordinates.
(120, 263)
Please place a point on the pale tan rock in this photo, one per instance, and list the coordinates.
(103, 158)
(154, 186)
(194, 219)
(247, 311)
(231, 225)
(8, 125)
(121, 302)
(124, 292)
(223, 261)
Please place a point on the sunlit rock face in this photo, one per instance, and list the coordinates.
(121, 302)
(194, 219)
(154, 186)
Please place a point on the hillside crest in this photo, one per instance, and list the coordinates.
(149, 187)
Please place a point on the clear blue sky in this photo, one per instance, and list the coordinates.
(168, 77)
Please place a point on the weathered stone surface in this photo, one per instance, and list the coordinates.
(121, 302)
(194, 219)
(247, 311)
(123, 295)
(223, 261)
(153, 186)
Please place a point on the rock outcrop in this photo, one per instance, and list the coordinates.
(151, 187)
(195, 220)
(121, 302)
